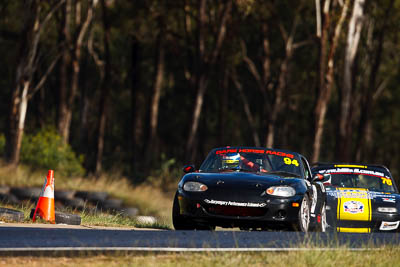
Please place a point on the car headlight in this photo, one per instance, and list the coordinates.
(282, 191)
(194, 187)
(387, 209)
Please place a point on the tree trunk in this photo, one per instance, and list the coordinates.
(279, 91)
(138, 103)
(201, 89)
(19, 109)
(343, 144)
(262, 78)
(28, 51)
(19, 97)
(223, 105)
(156, 96)
(276, 107)
(326, 67)
(364, 135)
(67, 97)
(200, 80)
(247, 111)
(157, 88)
(206, 61)
(105, 91)
(64, 66)
(273, 97)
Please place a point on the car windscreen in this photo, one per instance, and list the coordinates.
(252, 160)
(374, 180)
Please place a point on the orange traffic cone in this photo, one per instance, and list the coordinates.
(45, 205)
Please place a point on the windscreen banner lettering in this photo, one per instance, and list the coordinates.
(278, 153)
(355, 171)
(256, 151)
(225, 151)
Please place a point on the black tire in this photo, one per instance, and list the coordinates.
(26, 193)
(180, 223)
(304, 214)
(8, 198)
(178, 220)
(75, 203)
(11, 215)
(31, 214)
(92, 196)
(111, 204)
(66, 218)
(63, 194)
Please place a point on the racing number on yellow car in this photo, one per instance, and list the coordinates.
(289, 161)
(386, 181)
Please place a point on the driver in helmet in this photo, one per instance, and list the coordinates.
(237, 161)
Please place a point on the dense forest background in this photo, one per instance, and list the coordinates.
(137, 85)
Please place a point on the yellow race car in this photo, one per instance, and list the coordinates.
(357, 198)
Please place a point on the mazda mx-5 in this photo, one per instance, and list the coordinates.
(358, 198)
(249, 188)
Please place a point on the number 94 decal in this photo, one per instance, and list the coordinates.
(290, 161)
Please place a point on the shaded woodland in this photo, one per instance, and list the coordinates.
(130, 84)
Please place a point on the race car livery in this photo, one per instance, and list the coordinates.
(359, 198)
(246, 187)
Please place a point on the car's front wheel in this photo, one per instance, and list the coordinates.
(177, 219)
(304, 214)
(181, 223)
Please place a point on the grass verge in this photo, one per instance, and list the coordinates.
(384, 257)
(149, 199)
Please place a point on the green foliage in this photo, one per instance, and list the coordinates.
(167, 175)
(45, 149)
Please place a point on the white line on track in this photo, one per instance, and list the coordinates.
(166, 249)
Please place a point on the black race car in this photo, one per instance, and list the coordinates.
(246, 187)
(357, 198)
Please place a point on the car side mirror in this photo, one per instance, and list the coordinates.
(321, 177)
(189, 168)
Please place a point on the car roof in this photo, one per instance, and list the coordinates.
(329, 165)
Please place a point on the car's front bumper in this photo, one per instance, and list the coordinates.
(380, 222)
(262, 212)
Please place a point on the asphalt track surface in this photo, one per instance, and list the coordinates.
(31, 238)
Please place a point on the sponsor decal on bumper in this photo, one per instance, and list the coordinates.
(388, 226)
(391, 200)
(234, 203)
(354, 204)
(353, 207)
